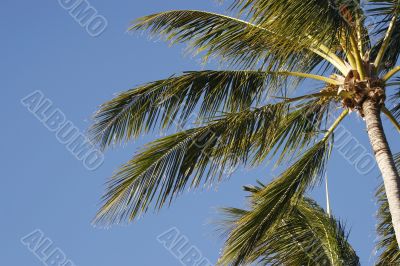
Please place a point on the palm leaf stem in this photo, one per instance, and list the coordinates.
(357, 56)
(306, 75)
(352, 60)
(307, 96)
(359, 34)
(348, 51)
(392, 84)
(335, 124)
(391, 73)
(339, 65)
(385, 42)
(333, 57)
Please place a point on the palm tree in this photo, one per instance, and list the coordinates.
(253, 110)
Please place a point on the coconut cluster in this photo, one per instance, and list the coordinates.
(355, 91)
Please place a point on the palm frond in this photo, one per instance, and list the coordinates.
(307, 236)
(385, 51)
(301, 19)
(188, 158)
(383, 7)
(197, 157)
(273, 203)
(391, 55)
(232, 40)
(299, 129)
(387, 244)
(140, 109)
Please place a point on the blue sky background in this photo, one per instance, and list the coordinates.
(44, 187)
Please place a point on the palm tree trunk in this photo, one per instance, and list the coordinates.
(384, 159)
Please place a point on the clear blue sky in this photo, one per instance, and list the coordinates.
(45, 187)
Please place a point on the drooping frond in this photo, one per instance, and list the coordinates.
(188, 158)
(387, 244)
(272, 203)
(307, 236)
(173, 101)
(383, 8)
(392, 108)
(296, 131)
(386, 50)
(197, 157)
(161, 102)
(233, 40)
(389, 58)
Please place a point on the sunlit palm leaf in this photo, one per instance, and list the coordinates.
(173, 101)
(233, 40)
(386, 13)
(194, 157)
(298, 18)
(273, 202)
(297, 131)
(306, 236)
(393, 50)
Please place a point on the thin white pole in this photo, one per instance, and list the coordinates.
(328, 205)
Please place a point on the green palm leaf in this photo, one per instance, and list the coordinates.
(231, 39)
(306, 236)
(386, 50)
(299, 129)
(171, 102)
(166, 165)
(297, 18)
(140, 109)
(383, 8)
(198, 156)
(393, 50)
(273, 202)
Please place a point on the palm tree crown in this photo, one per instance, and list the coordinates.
(249, 113)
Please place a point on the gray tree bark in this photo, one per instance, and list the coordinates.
(384, 159)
